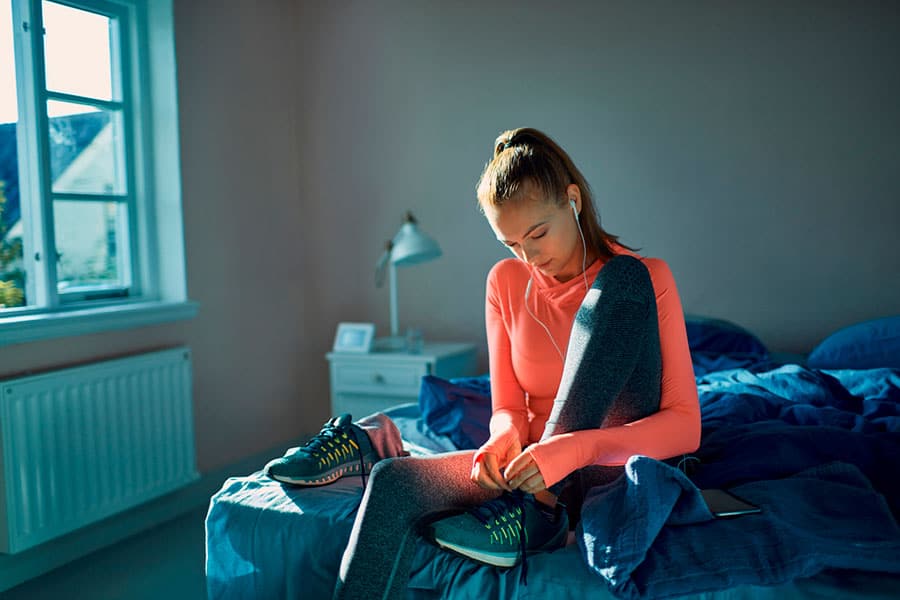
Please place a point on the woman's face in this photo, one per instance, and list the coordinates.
(541, 233)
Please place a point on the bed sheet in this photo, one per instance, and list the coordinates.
(269, 541)
(266, 541)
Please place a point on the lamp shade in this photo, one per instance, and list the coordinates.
(410, 246)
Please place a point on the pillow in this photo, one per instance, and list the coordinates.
(457, 408)
(718, 336)
(867, 345)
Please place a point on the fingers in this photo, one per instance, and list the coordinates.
(533, 484)
(517, 465)
(524, 474)
(493, 475)
(487, 474)
(528, 480)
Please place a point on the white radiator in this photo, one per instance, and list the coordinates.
(83, 443)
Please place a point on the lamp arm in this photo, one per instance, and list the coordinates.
(395, 327)
(382, 263)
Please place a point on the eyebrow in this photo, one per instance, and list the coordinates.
(527, 233)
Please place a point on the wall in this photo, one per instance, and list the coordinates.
(752, 145)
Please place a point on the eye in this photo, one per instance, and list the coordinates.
(538, 236)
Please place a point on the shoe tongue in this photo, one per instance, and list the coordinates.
(342, 421)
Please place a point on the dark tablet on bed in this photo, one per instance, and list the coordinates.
(725, 504)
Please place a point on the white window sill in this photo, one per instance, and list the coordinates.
(30, 328)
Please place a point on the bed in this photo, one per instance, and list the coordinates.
(814, 441)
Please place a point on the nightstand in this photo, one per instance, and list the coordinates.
(362, 384)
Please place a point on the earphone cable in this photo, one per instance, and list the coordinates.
(541, 323)
(583, 254)
(583, 276)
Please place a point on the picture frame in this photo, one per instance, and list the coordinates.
(354, 337)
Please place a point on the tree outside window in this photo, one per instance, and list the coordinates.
(12, 275)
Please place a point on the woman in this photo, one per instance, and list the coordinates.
(589, 365)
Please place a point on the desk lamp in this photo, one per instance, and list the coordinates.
(409, 247)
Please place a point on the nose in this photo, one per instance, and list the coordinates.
(529, 254)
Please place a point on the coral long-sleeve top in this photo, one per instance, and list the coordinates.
(526, 369)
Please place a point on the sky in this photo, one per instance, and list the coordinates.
(76, 47)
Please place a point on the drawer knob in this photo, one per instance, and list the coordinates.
(378, 378)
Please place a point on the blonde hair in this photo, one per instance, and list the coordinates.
(527, 157)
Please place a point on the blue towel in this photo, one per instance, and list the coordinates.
(650, 535)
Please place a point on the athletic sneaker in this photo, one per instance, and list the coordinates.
(340, 448)
(503, 531)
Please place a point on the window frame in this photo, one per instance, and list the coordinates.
(153, 190)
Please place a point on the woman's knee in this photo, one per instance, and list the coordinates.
(625, 277)
(387, 470)
(624, 270)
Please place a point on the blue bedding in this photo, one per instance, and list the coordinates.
(769, 424)
(817, 450)
(651, 535)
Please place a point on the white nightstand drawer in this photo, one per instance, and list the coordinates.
(365, 383)
(379, 378)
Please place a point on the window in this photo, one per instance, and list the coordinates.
(88, 166)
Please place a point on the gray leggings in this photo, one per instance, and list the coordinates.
(611, 377)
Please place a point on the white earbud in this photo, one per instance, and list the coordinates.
(574, 208)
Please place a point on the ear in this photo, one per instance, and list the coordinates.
(574, 193)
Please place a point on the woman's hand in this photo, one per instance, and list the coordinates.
(486, 473)
(494, 455)
(523, 473)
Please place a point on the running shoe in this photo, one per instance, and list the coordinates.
(340, 448)
(503, 531)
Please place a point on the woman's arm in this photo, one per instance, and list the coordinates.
(674, 430)
(509, 418)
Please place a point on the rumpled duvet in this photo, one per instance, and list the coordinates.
(816, 450)
(650, 534)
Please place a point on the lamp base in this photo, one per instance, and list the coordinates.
(395, 343)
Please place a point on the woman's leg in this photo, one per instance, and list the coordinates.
(613, 368)
(613, 364)
(401, 491)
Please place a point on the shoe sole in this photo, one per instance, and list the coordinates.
(497, 560)
(326, 478)
(506, 559)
